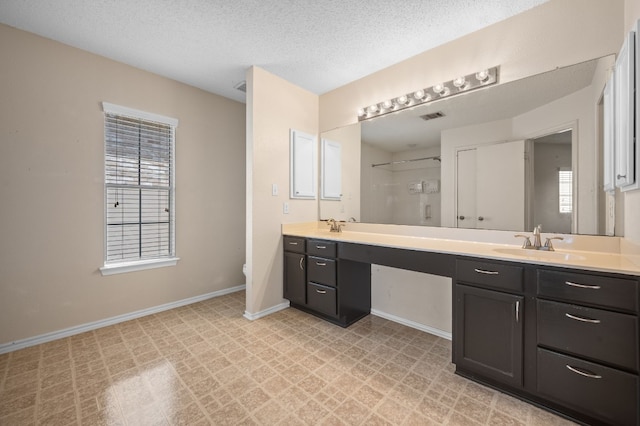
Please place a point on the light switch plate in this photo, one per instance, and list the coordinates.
(274, 189)
(285, 208)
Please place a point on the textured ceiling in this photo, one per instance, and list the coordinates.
(317, 44)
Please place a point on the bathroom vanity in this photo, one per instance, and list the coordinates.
(559, 330)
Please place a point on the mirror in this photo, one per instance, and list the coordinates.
(413, 162)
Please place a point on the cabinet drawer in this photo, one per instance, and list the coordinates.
(321, 248)
(620, 293)
(321, 270)
(593, 333)
(499, 276)
(601, 392)
(294, 244)
(322, 298)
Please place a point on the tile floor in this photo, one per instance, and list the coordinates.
(204, 364)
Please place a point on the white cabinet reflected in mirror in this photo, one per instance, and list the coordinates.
(331, 170)
(624, 117)
(340, 180)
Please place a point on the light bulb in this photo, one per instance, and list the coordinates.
(482, 76)
(372, 109)
(402, 100)
(419, 94)
(388, 104)
(361, 112)
(441, 89)
(460, 83)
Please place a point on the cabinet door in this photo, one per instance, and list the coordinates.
(501, 187)
(303, 165)
(491, 187)
(624, 115)
(294, 278)
(467, 189)
(489, 334)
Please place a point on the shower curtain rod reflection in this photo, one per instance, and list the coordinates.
(390, 163)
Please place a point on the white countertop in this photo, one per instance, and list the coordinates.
(604, 261)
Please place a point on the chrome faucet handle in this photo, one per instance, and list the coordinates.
(334, 225)
(526, 244)
(547, 244)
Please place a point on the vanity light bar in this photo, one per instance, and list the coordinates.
(454, 87)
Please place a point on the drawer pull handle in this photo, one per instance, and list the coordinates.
(293, 243)
(321, 264)
(321, 291)
(482, 271)
(592, 287)
(321, 247)
(517, 311)
(302, 263)
(573, 317)
(584, 373)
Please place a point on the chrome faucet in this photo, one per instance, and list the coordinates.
(334, 225)
(537, 244)
(536, 237)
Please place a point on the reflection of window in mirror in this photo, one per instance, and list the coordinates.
(565, 192)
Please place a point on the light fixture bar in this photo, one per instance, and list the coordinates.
(454, 87)
(411, 160)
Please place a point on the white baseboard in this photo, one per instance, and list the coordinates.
(412, 324)
(55, 335)
(273, 309)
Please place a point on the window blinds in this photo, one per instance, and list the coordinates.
(139, 188)
(565, 191)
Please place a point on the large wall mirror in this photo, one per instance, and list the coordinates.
(507, 157)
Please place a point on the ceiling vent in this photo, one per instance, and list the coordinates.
(432, 116)
(242, 86)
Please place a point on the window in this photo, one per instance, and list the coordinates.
(139, 189)
(565, 190)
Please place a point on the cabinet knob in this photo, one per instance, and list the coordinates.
(480, 218)
(621, 177)
(461, 217)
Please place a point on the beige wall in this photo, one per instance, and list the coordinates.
(51, 187)
(274, 106)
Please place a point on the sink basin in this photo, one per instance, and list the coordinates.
(539, 254)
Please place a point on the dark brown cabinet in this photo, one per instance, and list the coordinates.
(295, 281)
(318, 282)
(587, 355)
(568, 340)
(295, 275)
(489, 323)
(489, 339)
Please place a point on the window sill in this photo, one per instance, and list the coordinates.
(141, 265)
